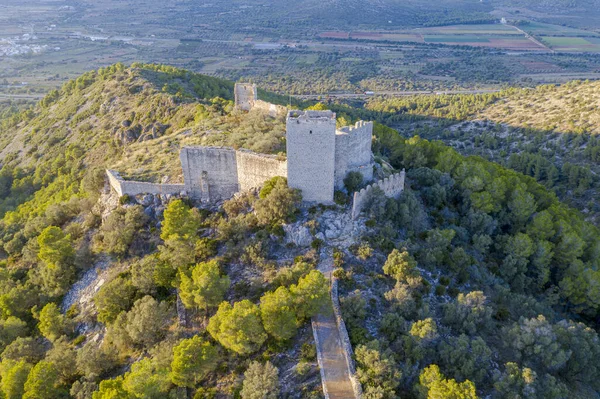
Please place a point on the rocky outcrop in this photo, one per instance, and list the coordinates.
(128, 133)
(297, 234)
(339, 228)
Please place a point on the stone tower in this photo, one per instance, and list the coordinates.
(311, 154)
(245, 96)
(353, 152)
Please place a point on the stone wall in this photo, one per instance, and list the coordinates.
(353, 152)
(272, 110)
(310, 139)
(209, 173)
(391, 186)
(245, 96)
(217, 173)
(130, 187)
(254, 169)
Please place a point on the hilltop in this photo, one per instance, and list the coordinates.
(135, 119)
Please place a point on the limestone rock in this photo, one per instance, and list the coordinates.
(146, 200)
(332, 233)
(297, 234)
(149, 212)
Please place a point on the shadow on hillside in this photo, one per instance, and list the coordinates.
(565, 163)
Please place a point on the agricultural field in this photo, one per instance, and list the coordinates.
(417, 47)
(542, 29)
(572, 44)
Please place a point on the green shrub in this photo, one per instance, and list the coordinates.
(270, 184)
(308, 352)
(340, 198)
(317, 243)
(125, 199)
(353, 181)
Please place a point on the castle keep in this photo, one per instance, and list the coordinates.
(319, 157)
(310, 142)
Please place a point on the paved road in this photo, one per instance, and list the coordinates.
(390, 94)
(334, 369)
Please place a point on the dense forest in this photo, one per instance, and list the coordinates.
(463, 287)
(476, 282)
(548, 132)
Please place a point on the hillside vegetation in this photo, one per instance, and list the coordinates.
(132, 119)
(461, 287)
(548, 132)
(477, 282)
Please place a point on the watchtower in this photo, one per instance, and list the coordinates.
(245, 96)
(310, 144)
(353, 152)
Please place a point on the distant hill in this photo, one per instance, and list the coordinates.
(548, 132)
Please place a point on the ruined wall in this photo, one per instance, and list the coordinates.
(392, 187)
(217, 173)
(353, 152)
(209, 173)
(254, 169)
(245, 96)
(129, 187)
(310, 141)
(272, 110)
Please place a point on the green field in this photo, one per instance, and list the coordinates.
(537, 28)
(485, 29)
(572, 43)
(307, 59)
(456, 39)
(565, 41)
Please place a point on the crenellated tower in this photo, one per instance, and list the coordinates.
(353, 152)
(311, 143)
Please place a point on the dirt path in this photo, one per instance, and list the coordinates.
(330, 353)
(533, 39)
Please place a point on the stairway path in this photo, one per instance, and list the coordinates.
(335, 370)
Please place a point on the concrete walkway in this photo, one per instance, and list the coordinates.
(330, 353)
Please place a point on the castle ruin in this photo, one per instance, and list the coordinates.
(246, 95)
(246, 99)
(319, 157)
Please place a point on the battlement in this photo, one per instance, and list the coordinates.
(391, 186)
(217, 173)
(358, 127)
(130, 187)
(310, 116)
(353, 152)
